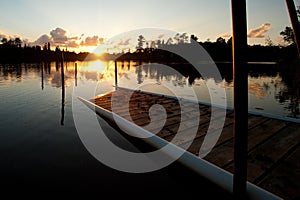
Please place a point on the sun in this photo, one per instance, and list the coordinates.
(99, 50)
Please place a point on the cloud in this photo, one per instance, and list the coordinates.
(260, 31)
(124, 43)
(92, 41)
(60, 37)
(8, 37)
(101, 40)
(2, 35)
(161, 36)
(224, 35)
(57, 37)
(42, 40)
(72, 44)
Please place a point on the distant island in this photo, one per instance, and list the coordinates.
(12, 51)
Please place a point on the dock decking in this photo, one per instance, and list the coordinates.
(273, 145)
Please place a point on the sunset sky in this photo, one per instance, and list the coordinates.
(85, 24)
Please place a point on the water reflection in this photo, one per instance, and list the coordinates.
(268, 90)
(291, 93)
(62, 92)
(271, 89)
(75, 74)
(42, 75)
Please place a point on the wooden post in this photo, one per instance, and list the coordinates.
(240, 78)
(295, 22)
(42, 75)
(116, 75)
(76, 74)
(62, 91)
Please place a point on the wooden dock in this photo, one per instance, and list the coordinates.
(273, 144)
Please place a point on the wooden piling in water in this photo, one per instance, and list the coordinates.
(42, 76)
(116, 74)
(76, 74)
(240, 79)
(62, 90)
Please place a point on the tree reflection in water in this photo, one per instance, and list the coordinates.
(264, 79)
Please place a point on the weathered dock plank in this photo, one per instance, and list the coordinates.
(223, 155)
(268, 155)
(227, 132)
(273, 145)
(284, 179)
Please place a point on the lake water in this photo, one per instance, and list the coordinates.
(39, 143)
(269, 93)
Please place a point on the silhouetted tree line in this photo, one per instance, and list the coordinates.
(12, 51)
(220, 50)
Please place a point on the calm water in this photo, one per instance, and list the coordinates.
(40, 150)
(269, 92)
(38, 139)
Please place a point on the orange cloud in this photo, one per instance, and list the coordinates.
(260, 31)
(57, 37)
(92, 41)
(224, 35)
(3, 35)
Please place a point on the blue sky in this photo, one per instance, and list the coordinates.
(96, 19)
